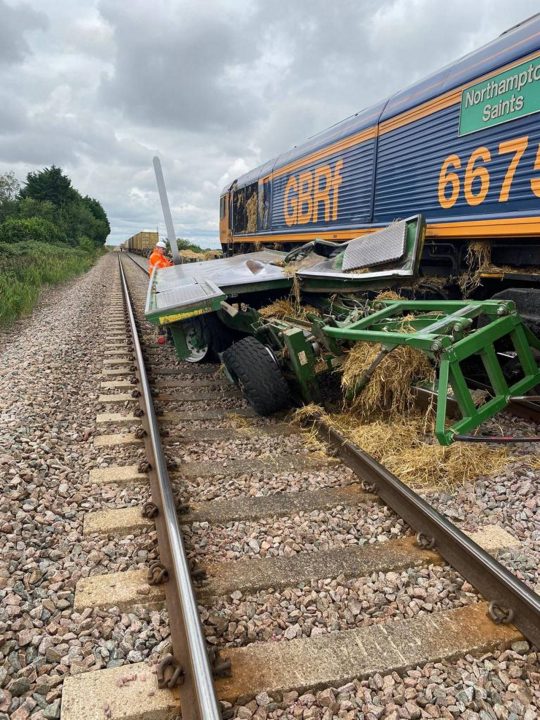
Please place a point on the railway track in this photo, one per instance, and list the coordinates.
(256, 515)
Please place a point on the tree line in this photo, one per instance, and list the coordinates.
(48, 209)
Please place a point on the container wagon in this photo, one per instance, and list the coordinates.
(143, 242)
(462, 147)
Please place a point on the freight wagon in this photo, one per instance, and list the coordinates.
(143, 242)
(462, 147)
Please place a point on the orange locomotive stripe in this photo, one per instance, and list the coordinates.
(510, 227)
(516, 227)
(347, 142)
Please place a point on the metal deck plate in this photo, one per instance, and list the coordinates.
(243, 269)
(377, 248)
(186, 296)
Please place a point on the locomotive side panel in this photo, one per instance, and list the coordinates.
(494, 173)
(334, 190)
(461, 147)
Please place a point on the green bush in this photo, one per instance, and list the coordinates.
(25, 267)
(34, 229)
(86, 244)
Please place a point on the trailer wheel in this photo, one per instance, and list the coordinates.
(197, 342)
(253, 367)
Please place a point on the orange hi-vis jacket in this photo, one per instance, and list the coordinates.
(158, 260)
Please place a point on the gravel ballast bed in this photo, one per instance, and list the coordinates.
(261, 484)
(501, 686)
(509, 499)
(52, 364)
(245, 447)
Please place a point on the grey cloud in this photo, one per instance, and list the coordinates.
(12, 115)
(213, 87)
(15, 22)
(172, 66)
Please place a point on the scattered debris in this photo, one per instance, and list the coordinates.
(389, 387)
(287, 308)
(406, 446)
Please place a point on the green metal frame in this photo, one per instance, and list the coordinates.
(446, 332)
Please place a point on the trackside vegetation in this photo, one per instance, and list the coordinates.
(49, 233)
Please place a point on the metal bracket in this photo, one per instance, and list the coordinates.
(425, 542)
(174, 678)
(199, 575)
(150, 510)
(500, 615)
(157, 573)
(221, 667)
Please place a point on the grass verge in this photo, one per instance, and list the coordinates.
(26, 267)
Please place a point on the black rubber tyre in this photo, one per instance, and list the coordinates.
(254, 369)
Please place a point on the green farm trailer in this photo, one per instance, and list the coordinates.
(215, 308)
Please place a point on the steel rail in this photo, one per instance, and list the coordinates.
(483, 571)
(138, 264)
(198, 696)
(511, 597)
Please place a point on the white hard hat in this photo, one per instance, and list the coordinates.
(161, 244)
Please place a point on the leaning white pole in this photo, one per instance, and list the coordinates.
(171, 235)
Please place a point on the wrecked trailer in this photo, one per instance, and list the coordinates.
(217, 309)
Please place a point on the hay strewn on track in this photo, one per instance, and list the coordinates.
(408, 448)
(390, 386)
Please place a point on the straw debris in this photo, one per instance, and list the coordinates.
(287, 308)
(251, 212)
(408, 448)
(389, 295)
(213, 254)
(478, 259)
(191, 255)
(390, 387)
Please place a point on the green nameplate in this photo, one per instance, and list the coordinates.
(504, 97)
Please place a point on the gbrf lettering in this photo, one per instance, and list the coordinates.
(304, 193)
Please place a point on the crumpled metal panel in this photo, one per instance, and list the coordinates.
(186, 295)
(377, 248)
(226, 272)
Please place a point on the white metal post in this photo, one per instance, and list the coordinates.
(171, 234)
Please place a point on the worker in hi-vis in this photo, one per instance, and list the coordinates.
(157, 259)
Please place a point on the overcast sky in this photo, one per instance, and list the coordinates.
(214, 87)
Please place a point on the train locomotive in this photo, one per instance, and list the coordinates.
(462, 147)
